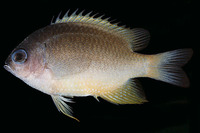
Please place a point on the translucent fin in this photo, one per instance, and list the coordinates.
(74, 17)
(130, 93)
(62, 106)
(96, 97)
(140, 39)
(167, 67)
(137, 38)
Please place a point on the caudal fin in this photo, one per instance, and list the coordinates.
(167, 67)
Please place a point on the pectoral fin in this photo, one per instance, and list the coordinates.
(129, 93)
(61, 105)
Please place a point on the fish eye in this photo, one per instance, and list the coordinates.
(19, 56)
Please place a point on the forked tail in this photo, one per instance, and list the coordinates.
(167, 67)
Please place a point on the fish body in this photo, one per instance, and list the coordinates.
(80, 55)
(88, 57)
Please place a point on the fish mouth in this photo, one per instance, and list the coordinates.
(7, 67)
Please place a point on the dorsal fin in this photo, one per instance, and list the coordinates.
(137, 38)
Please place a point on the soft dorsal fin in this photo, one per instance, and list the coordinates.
(140, 39)
(137, 38)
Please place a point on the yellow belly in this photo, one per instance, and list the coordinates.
(85, 86)
(95, 81)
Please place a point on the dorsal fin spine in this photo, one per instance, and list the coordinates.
(89, 19)
(137, 38)
(66, 14)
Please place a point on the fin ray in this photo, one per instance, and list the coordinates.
(59, 101)
(129, 93)
(140, 39)
(137, 38)
(167, 67)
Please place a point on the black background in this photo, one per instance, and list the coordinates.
(170, 108)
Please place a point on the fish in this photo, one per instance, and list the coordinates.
(85, 55)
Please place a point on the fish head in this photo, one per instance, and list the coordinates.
(26, 60)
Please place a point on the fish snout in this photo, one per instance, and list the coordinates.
(7, 65)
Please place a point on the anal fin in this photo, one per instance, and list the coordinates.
(129, 93)
(61, 105)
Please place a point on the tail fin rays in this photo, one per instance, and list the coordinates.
(167, 67)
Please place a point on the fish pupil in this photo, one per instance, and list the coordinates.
(19, 57)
